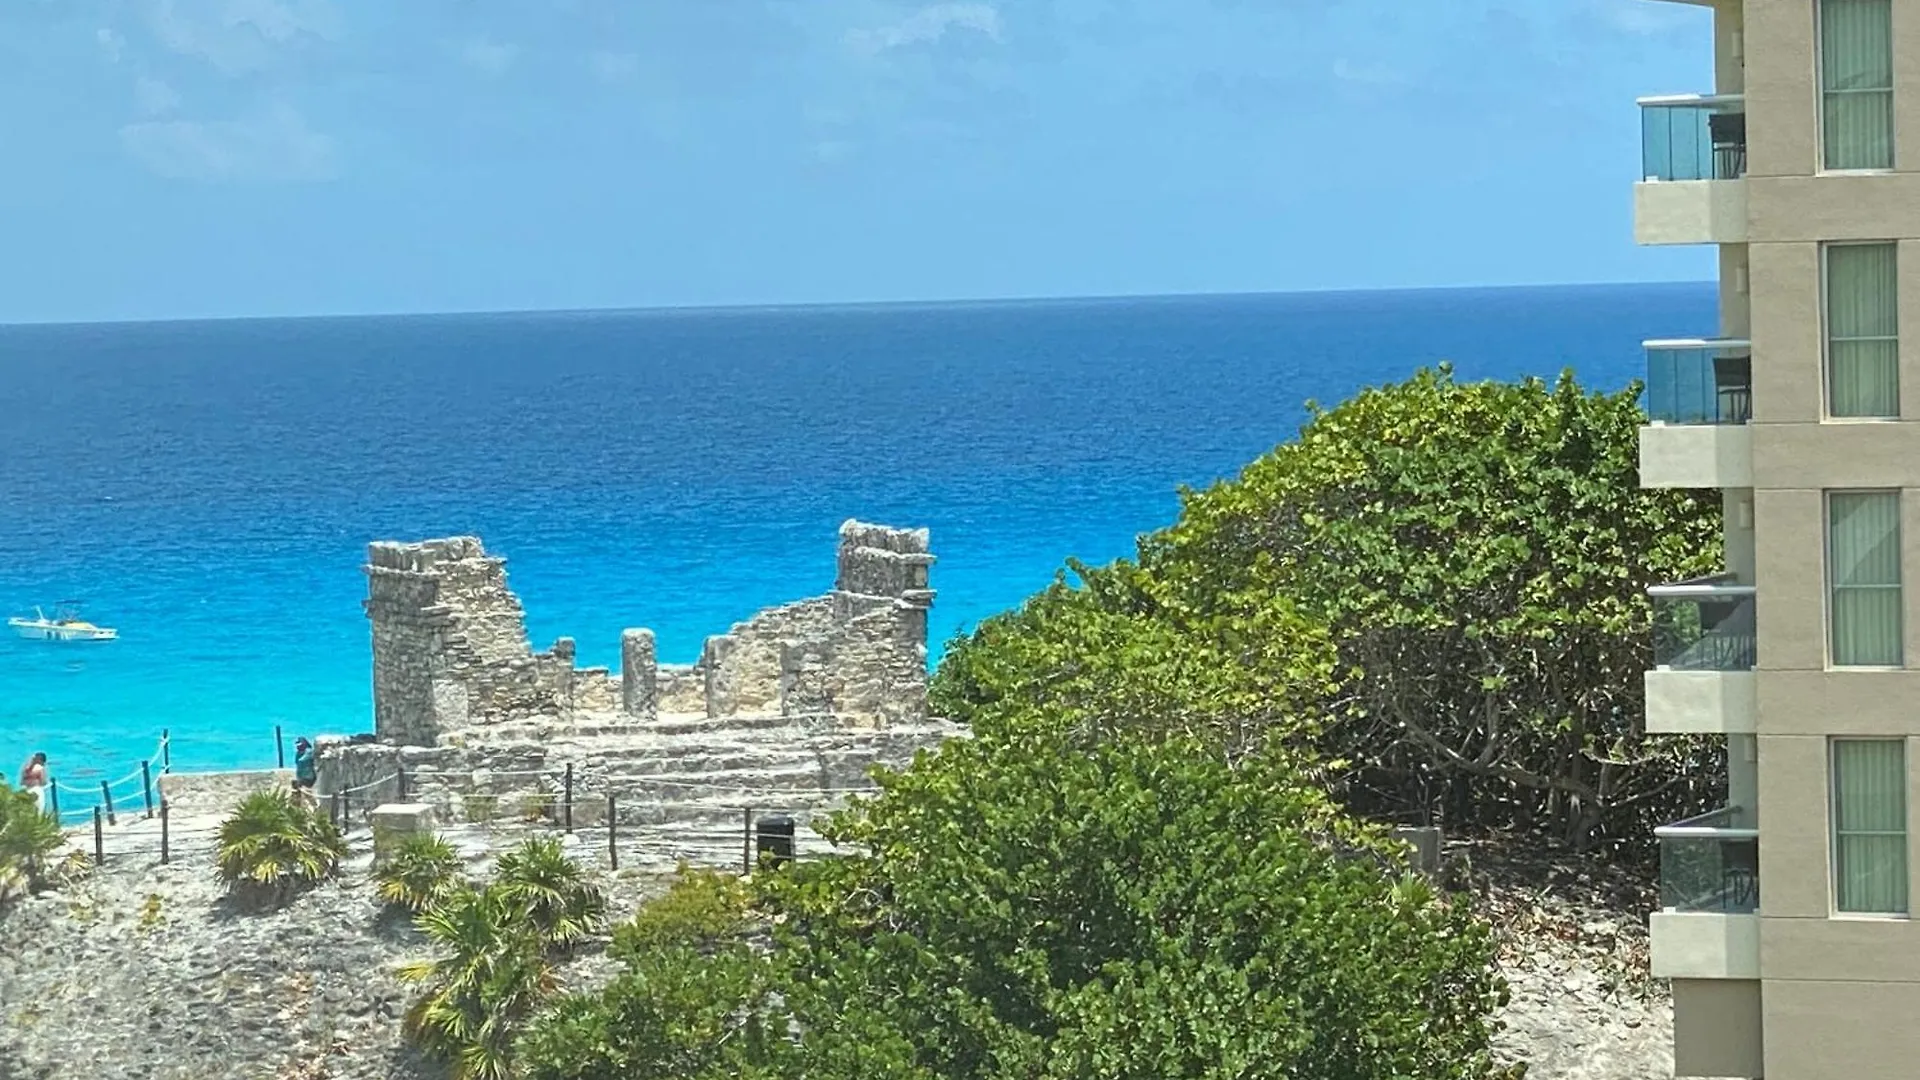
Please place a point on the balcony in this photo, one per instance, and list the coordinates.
(1708, 925)
(1705, 624)
(1699, 398)
(1693, 158)
(1703, 653)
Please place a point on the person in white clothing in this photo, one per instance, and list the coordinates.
(33, 779)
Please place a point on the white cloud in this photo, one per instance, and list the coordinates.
(272, 144)
(488, 57)
(153, 97)
(111, 43)
(613, 67)
(927, 25)
(238, 36)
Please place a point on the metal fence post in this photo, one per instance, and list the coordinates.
(106, 798)
(53, 796)
(99, 839)
(146, 786)
(165, 835)
(746, 841)
(613, 845)
(336, 814)
(400, 774)
(279, 747)
(166, 750)
(567, 799)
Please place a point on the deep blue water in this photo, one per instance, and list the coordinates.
(209, 487)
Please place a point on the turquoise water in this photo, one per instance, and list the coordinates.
(209, 487)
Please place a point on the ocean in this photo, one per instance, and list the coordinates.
(209, 488)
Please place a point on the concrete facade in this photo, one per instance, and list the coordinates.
(1797, 990)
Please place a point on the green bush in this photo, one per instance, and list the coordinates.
(491, 974)
(27, 836)
(702, 909)
(550, 891)
(1031, 907)
(273, 844)
(421, 869)
(1440, 585)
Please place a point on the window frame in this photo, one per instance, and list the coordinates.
(1829, 582)
(1821, 93)
(1827, 337)
(1834, 833)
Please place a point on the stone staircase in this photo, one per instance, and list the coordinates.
(683, 787)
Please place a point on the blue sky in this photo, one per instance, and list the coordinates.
(186, 158)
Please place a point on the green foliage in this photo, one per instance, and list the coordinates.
(1104, 655)
(495, 967)
(491, 974)
(549, 891)
(422, 869)
(273, 844)
(702, 909)
(27, 836)
(1028, 906)
(1474, 558)
(691, 1002)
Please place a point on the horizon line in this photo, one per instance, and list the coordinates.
(830, 305)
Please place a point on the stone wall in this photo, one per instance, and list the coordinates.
(450, 648)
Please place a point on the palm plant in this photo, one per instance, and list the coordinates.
(491, 975)
(27, 836)
(422, 869)
(550, 891)
(274, 844)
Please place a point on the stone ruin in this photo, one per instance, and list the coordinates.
(450, 647)
(786, 712)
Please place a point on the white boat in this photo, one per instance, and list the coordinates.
(65, 624)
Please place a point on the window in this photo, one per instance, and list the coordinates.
(1863, 330)
(1863, 579)
(1870, 826)
(1856, 83)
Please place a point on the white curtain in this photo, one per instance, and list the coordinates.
(1863, 330)
(1863, 553)
(1856, 68)
(1870, 825)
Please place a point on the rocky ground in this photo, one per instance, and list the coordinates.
(137, 970)
(1574, 952)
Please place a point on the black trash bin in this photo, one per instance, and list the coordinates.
(773, 840)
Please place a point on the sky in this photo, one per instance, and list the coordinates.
(214, 158)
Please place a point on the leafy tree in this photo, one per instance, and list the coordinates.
(273, 844)
(491, 974)
(690, 1004)
(1028, 905)
(1476, 557)
(28, 835)
(1104, 655)
(550, 891)
(422, 869)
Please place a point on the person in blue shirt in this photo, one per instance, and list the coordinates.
(305, 770)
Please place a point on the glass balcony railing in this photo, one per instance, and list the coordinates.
(1703, 625)
(1699, 381)
(1708, 864)
(1693, 137)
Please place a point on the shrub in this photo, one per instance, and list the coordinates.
(27, 836)
(490, 976)
(422, 869)
(689, 1004)
(550, 891)
(274, 844)
(701, 909)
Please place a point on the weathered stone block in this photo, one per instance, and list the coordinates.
(393, 823)
(639, 675)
